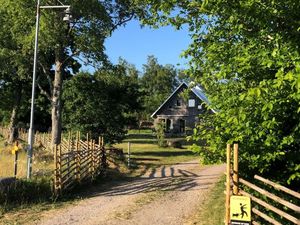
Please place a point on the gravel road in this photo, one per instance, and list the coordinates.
(170, 194)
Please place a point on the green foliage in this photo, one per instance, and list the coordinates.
(246, 55)
(157, 83)
(61, 46)
(100, 103)
(160, 134)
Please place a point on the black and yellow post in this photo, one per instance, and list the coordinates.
(238, 207)
(15, 151)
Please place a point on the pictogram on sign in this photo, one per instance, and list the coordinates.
(240, 210)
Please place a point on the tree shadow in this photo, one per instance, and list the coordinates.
(175, 180)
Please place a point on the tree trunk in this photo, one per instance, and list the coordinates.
(13, 118)
(56, 99)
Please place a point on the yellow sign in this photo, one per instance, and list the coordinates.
(14, 149)
(240, 210)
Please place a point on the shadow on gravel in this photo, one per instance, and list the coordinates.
(173, 180)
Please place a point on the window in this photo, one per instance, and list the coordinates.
(191, 102)
(199, 106)
(178, 102)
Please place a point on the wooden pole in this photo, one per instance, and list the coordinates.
(94, 159)
(69, 153)
(59, 168)
(87, 139)
(227, 215)
(235, 169)
(129, 154)
(55, 170)
(77, 155)
(16, 164)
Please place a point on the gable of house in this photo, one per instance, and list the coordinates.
(178, 113)
(175, 104)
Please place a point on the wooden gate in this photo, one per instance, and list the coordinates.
(274, 209)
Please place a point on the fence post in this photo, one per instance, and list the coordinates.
(93, 158)
(78, 157)
(235, 169)
(59, 168)
(57, 175)
(227, 216)
(103, 156)
(129, 154)
(68, 152)
(16, 163)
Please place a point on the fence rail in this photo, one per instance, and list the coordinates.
(271, 211)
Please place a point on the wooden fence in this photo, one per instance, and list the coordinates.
(76, 160)
(40, 139)
(83, 161)
(266, 205)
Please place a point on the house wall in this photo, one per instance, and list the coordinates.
(171, 110)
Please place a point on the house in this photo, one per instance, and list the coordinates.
(178, 114)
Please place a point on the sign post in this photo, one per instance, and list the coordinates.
(240, 210)
(129, 145)
(15, 151)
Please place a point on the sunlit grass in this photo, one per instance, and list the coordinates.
(152, 154)
(42, 164)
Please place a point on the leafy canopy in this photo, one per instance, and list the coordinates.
(246, 55)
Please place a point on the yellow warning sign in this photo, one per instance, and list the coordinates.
(14, 149)
(240, 210)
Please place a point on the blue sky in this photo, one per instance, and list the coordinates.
(134, 44)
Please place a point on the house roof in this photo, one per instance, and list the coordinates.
(196, 90)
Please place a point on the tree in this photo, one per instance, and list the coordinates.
(63, 46)
(100, 103)
(157, 83)
(246, 55)
(15, 63)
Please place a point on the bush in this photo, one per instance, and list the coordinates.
(160, 134)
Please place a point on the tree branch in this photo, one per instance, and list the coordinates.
(48, 77)
(70, 56)
(43, 92)
(121, 22)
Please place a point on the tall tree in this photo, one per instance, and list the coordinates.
(101, 103)
(246, 55)
(63, 46)
(157, 83)
(15, 61)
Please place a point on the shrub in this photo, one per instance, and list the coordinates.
(160, 134)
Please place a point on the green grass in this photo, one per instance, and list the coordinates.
(213, 211)
(141, 131)
(152, 154)
(42, 165)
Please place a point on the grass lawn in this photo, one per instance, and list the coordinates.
(42, 164)
(154, 155)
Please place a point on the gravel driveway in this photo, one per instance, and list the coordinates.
(167, 195)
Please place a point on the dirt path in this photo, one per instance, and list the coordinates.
(168, 195)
